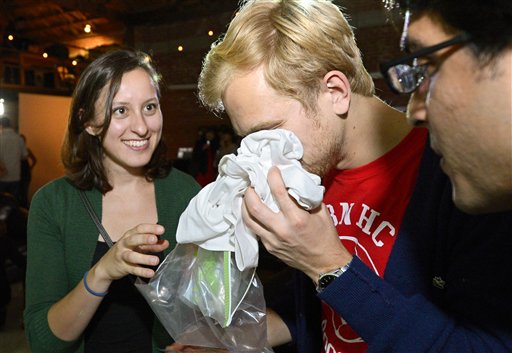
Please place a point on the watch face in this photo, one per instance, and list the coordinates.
(325, 280)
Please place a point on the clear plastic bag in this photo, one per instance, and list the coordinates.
(202, 299)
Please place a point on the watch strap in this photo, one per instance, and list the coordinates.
(326, 278)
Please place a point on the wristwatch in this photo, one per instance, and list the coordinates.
(324, 279)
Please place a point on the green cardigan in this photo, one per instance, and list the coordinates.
(61, 242)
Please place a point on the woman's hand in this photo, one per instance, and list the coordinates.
(130, 255)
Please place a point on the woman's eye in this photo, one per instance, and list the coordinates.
(150, 108)
(119, 110)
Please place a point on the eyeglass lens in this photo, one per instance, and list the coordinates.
(406, 78)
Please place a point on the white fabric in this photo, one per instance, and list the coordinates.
(213, 219)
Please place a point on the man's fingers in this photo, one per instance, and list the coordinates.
(254, 211)
(284, 201)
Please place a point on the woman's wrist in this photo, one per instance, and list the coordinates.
(90, 290)
(94, 284)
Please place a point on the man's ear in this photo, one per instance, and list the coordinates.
(339, 88)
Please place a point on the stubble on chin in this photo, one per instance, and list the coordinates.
(321, 168)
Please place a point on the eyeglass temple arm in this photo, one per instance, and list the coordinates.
(461, 38)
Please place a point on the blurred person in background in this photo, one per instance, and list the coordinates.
(27, 165)
(12, 152)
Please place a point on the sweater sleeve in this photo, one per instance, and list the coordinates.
(392, 322)
(47, 279)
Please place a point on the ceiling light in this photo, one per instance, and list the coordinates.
(87, 28)
(10, 37)
(210, 33)
(45, 55)
(180, 48)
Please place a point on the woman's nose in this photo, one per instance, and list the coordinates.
(138, 124)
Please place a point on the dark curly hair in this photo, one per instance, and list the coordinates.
(82, 153)
(489, 22)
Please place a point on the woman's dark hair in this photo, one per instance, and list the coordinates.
(489, 22)
(82, 153)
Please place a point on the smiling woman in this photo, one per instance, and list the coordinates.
(120, 84)
(114, 154)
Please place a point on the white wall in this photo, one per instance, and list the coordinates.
(43, 121)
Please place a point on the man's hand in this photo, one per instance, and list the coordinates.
(304, 240)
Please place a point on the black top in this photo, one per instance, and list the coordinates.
(123, 321)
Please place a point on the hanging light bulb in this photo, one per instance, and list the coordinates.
(389, 4)
(87, 28)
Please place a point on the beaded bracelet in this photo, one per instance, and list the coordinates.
(96, 294)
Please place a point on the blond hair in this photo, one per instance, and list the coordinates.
(296, 41)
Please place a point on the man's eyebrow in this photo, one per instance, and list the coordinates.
(413, 45)
(267, 125)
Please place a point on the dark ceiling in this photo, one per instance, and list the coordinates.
(43, 24)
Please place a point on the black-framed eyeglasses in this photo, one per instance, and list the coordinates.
(404, 75)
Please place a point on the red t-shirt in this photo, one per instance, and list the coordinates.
(367, 205)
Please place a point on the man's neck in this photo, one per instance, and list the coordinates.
(372, 129)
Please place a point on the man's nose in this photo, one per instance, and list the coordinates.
(417, 108)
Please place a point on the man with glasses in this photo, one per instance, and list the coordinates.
(391, 273)
(459, 69)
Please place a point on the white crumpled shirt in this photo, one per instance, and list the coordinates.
(213, 218)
